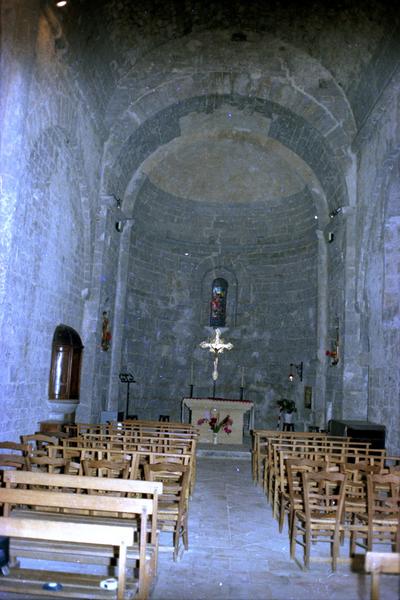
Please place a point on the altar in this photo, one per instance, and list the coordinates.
(201, 408)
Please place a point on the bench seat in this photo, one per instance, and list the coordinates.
(30, 581)
(71, 506)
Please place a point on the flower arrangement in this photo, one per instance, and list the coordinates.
(333, 355)
(215, 425)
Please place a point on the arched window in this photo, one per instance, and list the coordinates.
(65, 370)
(219, 292)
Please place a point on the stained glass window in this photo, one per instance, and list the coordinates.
(219, 292)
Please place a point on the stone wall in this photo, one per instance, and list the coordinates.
(378, 254)
(178, 246)
(48, 216)
(102, 104)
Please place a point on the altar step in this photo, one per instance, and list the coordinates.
(232, 451)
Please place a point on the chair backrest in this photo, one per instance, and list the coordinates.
(106, 468)
(323, 495)
(174, 478)
(383, 494)
(295, 469)
(14, 447)
(46, 464)
(38, 442)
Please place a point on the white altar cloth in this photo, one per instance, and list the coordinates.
(201, 407)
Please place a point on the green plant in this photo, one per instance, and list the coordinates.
(287, 406)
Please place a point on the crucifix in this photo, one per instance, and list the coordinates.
(216, 347)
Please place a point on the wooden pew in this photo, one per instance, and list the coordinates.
(59, 498)
(381, 562)
(73, 586)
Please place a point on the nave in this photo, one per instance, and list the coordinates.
(236, 551)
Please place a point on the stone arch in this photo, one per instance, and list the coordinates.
(150, 99)
(284, 127)
(266, 68)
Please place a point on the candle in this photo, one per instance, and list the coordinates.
(191, 372)
(242, 380)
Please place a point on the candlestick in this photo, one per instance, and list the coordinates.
(242, 380)
(241, 392)
(191, 390)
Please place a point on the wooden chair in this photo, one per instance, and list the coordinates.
(46, 464)
(292, 498)
(381, 562)
(38, 443)
(106, 468)
(381, 523)
(320, 519)
(173, 503)
(12, 461)
(14, 448)
(355, 492)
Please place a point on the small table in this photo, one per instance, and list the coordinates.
(201, 407)
(288, 427)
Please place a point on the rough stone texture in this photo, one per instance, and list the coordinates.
(267, 248)
(220, 153)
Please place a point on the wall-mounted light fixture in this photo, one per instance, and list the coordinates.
(119, 225)
(296, 368)
(335, 211)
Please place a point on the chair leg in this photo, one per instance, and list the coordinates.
(185, 534)
(177, 534)
(375, 586)
(281, 515)
(335, 550)
(307, 537)
(293, 534)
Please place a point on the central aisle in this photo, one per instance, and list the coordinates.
(236, 551)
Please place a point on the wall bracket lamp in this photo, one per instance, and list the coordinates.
(119, 225)
(299, 370)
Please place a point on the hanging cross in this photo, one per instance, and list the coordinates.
(216, 347)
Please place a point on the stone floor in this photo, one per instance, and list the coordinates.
(237, 553)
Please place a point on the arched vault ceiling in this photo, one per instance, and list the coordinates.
(230, 170)
(227, 156)
(301, 146)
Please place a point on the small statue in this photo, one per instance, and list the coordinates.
(106, 333)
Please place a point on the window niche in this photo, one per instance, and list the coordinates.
(65, 372)
(218, 298)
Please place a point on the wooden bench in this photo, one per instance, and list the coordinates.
(381, 562)
(78, 500)
(73, 585)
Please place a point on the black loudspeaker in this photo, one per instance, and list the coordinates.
(362, 431)
(3, 551)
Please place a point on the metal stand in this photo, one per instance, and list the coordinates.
(191, 390)
(128, 379)
(241, 392)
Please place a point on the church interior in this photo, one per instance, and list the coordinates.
(180, 174)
